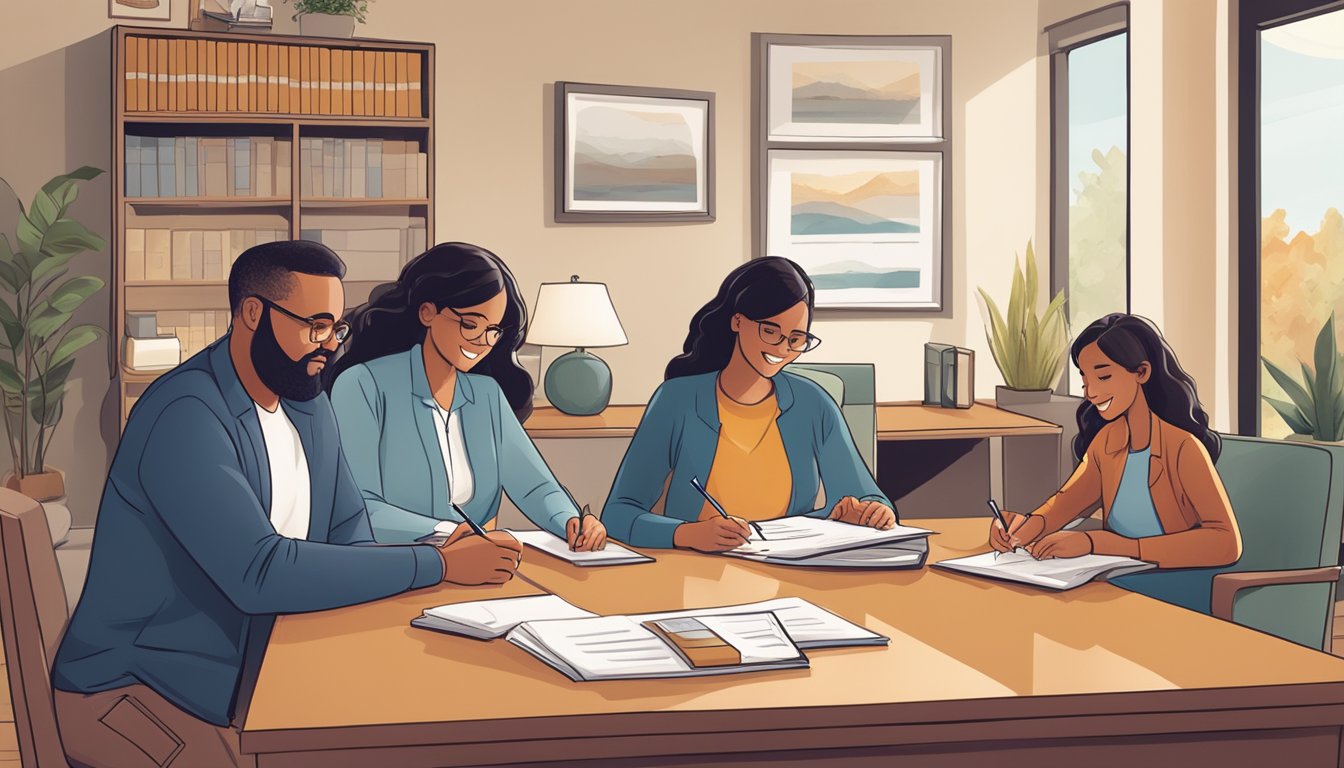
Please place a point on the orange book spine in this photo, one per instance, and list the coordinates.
(340, 62)
(168, 65)
(131, 65)
(161, 70)
(324, 81)
(152, 75)
(306, 71)
(349, 86)
(218, 66)
(337, 88)
(390, 74)
(379, 87)
(277, 82)
(231, 76)
(369, 58)
(192, 105)
(416, 96)
(295, 78)
(180, 73)
(282, 81)
(403, 85)
(247, 78)
(357, 83)
(202, 84)
(142, 78)
(263, 73)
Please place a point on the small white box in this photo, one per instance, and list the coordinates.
(156, 354)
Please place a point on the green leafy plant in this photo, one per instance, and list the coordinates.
(36, 354)
(1029, 348)
(1317, 406)
(356, 8)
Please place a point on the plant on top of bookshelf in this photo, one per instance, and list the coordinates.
(1317, 408)
(322, 17)
(37, 351)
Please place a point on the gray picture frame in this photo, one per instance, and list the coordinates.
(563, 90)
(762, 145)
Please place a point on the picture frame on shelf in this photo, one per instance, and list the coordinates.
(863, 90)
(141, 10)
(630, 154)
(866, 225)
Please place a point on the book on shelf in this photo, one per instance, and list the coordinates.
(370, 168)
(210, 166)
(161, 255)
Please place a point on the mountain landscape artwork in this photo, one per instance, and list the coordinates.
(633, 154)
(867, 203)
(885, 92)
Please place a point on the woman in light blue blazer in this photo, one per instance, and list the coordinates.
(729, 416)
(429, 398)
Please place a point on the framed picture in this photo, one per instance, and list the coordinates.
(855, 92)
(866, 225)
(633, 154)
(145, 10)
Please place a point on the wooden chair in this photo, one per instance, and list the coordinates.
(33, 615)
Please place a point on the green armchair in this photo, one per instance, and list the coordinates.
(853, 386)
(1288, 498)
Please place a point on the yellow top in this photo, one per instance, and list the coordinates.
(750, 475)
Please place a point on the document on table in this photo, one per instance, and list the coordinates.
(612, 554)
(1056, 573)
(487, 619)
(909, 553)
(808, 625)
(800, 537)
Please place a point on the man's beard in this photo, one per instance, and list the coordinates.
(285, 377)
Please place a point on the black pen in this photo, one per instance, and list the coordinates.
(476, 529)
(695, 481)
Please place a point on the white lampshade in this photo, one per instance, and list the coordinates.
(575, 314)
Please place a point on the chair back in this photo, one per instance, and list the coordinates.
(853, 386)
(1288, 499)
(33, 612)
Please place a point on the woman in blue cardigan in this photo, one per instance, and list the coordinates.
(728, 415)
(429, 398)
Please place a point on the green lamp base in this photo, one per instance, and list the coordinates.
(578, 383)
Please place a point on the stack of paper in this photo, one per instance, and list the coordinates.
(808, 625)
(612, 554)
(486, 619)
(810, 541)
(1057, 573)
(622, 647)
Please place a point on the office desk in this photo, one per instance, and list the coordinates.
(969, 462)
(1037, 678)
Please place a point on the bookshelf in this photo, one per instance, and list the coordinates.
(224, 140)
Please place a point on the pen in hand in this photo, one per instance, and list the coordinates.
(475, 528)
(695, 482)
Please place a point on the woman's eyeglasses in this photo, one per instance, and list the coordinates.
(474, 331)
(798, 341)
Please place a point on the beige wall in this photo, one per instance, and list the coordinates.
(497, 63)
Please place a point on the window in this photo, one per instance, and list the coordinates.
(1090, 166)
(1291, 232)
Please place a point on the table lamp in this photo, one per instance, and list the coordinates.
(579, 315)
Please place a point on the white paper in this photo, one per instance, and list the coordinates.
(808, 625)
(613, 554)
(794, 538)
(1057, 573)
(495, 617)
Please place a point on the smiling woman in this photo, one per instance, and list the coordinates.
(429, 397)
(729, 412)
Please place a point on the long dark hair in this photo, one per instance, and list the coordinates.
(453, 275)
(759, 289)
(1130, 340)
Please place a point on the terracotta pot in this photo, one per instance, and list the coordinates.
(1007, 396)
(326, 25)
(43, 486)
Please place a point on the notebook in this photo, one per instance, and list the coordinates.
(625, 648)
(488, 619)
(910, 553)
(1058, 573)
(799, 537)
(808, 625)
(612, 554)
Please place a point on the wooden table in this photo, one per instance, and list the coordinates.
(1039, 678)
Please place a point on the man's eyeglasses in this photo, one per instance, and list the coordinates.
(798, 341)
(320, 329)
(474, 331)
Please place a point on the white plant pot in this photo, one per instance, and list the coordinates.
(326, 25)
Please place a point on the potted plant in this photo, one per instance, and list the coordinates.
(37, 351)
(329, 18)
(1316, 410)
(1029, 347)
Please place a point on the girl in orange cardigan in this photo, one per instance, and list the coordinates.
(1146, 456)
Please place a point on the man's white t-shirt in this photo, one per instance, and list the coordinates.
(290, 485)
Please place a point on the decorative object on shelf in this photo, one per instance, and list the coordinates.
(580, 315)
(1315, 407)
(624, 153)
(1029, 348)
(852, 166)
(949, 376)
(229, 15)
(329, 18)
(37, 351)
(866, 225)
(143, 10)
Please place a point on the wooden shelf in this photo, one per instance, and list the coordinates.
(271, 118)
(210, 202)
(361, 202)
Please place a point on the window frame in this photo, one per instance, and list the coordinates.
(1062, 38)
